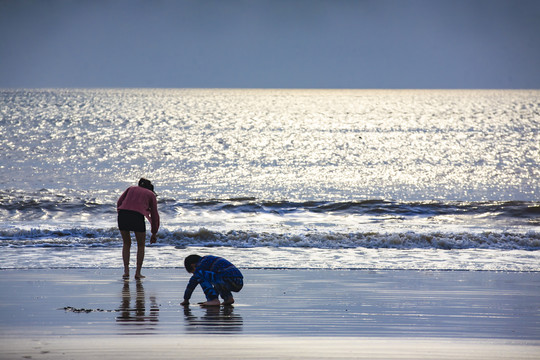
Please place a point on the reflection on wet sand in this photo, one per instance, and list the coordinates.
(137, 316)
(214, 319)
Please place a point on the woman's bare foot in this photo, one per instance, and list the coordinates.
(125, 276)
(214, 302)
(138, 277)
(229, 301)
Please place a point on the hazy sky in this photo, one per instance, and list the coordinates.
(270, 44)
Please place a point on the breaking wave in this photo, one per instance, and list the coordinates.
(247, 239)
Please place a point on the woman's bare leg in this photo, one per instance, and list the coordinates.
(126, 237)
(141, 239)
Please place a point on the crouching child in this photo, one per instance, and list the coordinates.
(217, 277)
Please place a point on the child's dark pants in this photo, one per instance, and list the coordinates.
(214, 284)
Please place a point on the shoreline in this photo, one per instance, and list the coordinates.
(168, 257)
(389, 314)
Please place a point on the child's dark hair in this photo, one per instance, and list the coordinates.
(191, 260)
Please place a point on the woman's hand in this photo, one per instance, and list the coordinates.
(153, 239)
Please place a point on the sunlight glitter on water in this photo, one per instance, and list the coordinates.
(279, 144)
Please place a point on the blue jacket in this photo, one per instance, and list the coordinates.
(217, 265)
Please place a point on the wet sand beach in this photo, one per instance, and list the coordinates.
(300, 314)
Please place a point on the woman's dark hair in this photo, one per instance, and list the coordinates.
(191, 260)
(146, 184)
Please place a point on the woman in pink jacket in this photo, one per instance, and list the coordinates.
(136, 203)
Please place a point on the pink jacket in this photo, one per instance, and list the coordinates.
(143, 201)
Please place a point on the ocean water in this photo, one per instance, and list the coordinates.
(338, 179)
